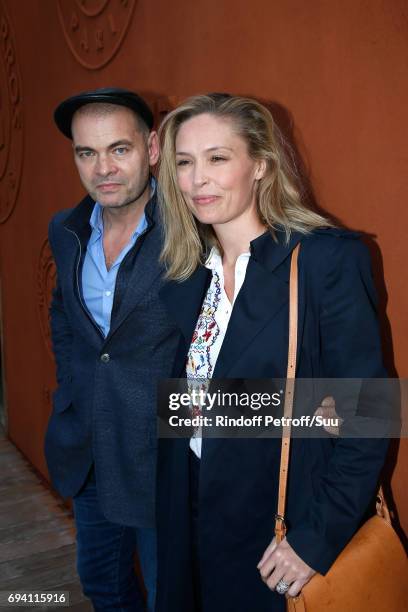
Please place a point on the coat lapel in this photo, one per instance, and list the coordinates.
(262, 296)
(184, 300)
(145, 268)
(264, 293)
(77, 225)
(143, 274)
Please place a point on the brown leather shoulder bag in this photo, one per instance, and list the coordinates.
(371, 573)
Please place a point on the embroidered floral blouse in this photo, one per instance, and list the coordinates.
(210, 330)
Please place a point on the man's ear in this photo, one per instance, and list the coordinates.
(154, 148)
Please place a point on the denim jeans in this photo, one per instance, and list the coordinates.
(105, 557)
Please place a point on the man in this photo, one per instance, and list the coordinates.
(112, 342)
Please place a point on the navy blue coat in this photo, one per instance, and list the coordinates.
(331, 481)
(104, 409)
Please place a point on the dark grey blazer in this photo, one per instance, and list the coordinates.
(105, 404)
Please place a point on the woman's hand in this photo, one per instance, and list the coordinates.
(280, 562)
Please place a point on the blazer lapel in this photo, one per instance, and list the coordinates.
(184, 300)
(143, 274)
(262, 296)
(77, 225)
(264, 293)
(84, 321)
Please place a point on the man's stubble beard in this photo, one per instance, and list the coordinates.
(128, 201)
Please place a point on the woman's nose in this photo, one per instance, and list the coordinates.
(199, 176)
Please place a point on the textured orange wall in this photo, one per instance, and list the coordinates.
(336, 71)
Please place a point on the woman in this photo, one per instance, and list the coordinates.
(232, 215)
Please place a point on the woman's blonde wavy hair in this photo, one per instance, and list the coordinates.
(279, 199)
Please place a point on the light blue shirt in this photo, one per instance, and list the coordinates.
(98, 283)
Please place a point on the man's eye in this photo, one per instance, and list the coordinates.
(86, 154)
(120, 150)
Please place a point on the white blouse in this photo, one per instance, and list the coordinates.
(210, 330)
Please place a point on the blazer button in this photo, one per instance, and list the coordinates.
(105, 357)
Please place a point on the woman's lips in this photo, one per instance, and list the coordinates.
(205, 199)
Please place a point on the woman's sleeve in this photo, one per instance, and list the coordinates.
(350, 348)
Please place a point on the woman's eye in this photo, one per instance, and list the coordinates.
(182, 162)
(217, 158)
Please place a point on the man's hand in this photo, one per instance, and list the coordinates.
(327, 410)
(280, 562)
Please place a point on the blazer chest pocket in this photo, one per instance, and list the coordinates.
(62, 398)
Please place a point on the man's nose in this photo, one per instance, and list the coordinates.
(105, 165)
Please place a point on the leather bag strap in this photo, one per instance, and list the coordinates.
(280, 527)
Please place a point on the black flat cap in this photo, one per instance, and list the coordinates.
(112, 95)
